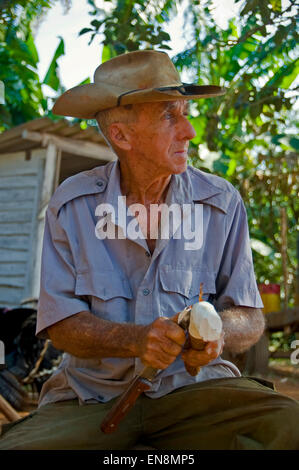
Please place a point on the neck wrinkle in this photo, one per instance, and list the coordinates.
(141, 187)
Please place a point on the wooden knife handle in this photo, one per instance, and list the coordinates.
(123, 405)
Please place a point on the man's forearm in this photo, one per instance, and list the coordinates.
(243, 326)
(87, 336)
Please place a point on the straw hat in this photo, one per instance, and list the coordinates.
(135, 77)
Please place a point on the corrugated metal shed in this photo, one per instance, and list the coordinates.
(34, 158)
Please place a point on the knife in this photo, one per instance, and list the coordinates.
(126, 401)
(140, 383)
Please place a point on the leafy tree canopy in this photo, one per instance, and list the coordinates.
(249, 136)
(22, 96)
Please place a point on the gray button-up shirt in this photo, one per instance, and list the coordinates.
(118, 280)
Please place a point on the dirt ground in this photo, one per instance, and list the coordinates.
(286, 385)
(284, 377)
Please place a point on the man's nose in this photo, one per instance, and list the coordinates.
(187, 131)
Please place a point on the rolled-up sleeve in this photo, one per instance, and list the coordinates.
(236, 282)
(58, 278)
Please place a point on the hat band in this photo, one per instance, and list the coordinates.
(181, 88)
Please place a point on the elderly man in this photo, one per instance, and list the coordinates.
(108, 297)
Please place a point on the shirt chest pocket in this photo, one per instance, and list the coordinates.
(180, 288)
(109, 295)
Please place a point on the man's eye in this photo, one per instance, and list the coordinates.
(169, 116)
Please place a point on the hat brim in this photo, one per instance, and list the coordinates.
(85, 101)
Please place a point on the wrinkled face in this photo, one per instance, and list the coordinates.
(161, 136)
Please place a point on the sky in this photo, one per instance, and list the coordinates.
(80, 59)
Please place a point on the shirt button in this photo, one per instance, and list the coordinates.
(147, 254)
(146, 291)
(100, 184)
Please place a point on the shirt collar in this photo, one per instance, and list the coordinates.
(190, 186)
(113, 192)
(194, 186)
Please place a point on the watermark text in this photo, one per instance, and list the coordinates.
(156, 221)
(295, 354)
(2, 354)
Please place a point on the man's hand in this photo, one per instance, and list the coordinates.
(212, 350)
(161, 343)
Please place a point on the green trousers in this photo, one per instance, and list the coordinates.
(228, 413)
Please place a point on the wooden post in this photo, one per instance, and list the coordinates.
(284, 228)
(49, 177)
(58, 166)
(8, 411)
(258, 357)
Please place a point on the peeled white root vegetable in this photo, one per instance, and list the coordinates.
(205, 325)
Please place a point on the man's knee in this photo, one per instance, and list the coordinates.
(9, 433)
(284, 426)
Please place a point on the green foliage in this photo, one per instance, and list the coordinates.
(252, 128)
(251, 131)
(22, 11)
(52, 79)
(18, 71)
(24, 98)
(249, 136)
(130, 25)
(280, 341)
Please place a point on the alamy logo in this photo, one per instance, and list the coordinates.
(161, 221)
(2, 354)
(295, 354)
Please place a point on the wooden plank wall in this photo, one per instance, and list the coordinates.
(20, 183)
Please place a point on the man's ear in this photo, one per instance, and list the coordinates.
(119, 135)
